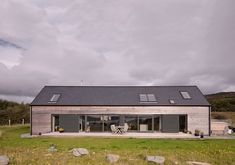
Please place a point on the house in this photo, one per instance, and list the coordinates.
(168, 109)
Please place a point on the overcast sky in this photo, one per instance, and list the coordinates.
(115, 42)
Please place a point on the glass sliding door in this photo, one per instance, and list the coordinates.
(156, 123)
(145, 123)
(102, 123)
(82, 123)
(110, 120)
(69, 122)
(56, 123)
(94, 123)
(183, 123)
(132, 122)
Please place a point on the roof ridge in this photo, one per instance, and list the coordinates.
(129, 86)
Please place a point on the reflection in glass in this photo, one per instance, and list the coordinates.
(110, 120)
(82, 123)
(132, 122)
(156, 123)
(183, 123)
(94, 123)
(145, 123)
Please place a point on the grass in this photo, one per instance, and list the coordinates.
(132, 151)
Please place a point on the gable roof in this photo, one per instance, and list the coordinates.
(119, 95)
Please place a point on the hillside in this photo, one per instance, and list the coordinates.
(222, 102)
(14, 111)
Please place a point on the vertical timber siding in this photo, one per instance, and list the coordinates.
(198, 117)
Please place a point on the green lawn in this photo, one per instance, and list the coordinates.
(132, 151)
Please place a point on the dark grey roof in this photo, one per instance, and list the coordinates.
(118, 95)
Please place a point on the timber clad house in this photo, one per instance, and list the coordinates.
(156, 109)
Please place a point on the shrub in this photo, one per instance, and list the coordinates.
(219, 116)
(61, 129)
(197, 132)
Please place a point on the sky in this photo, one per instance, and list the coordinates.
(110, 42)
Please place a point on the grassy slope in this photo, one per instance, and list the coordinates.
(132, 151)
(223, 101)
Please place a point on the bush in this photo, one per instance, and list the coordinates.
(61, 129)
(219, 116)
(13, 111)
(221, 105)
(197, 132)
(201, 134)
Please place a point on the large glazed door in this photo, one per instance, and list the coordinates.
(69, 122)
(170, 123)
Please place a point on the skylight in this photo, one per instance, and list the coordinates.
(55, 98)
(151, 98)
(147, 98)
(143, 98)
(172, 101)
(185, 95)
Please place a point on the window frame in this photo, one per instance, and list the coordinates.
(143, 97)
(188, 97)
(171, 101)
(54, 98)
(148, 98)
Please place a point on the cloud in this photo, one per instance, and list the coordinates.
(10, 57)
(122, 42)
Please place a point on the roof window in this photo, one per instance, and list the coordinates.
(172, 101)
(54, 98)
(147, 98)
(151, 98)
(143, 98)
(185, 95)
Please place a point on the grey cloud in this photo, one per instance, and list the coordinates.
(123, 42)
(9, 44)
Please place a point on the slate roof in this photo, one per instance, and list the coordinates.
(119, 95)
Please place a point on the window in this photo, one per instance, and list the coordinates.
(54, 98)
(183, 123)
(185, 95)
(94, 123)
(151, 98)
(147, 98)
(172, 101)
(143, 98)
(145, 123)
(132, 122)
(156, 123)
(111, 120)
